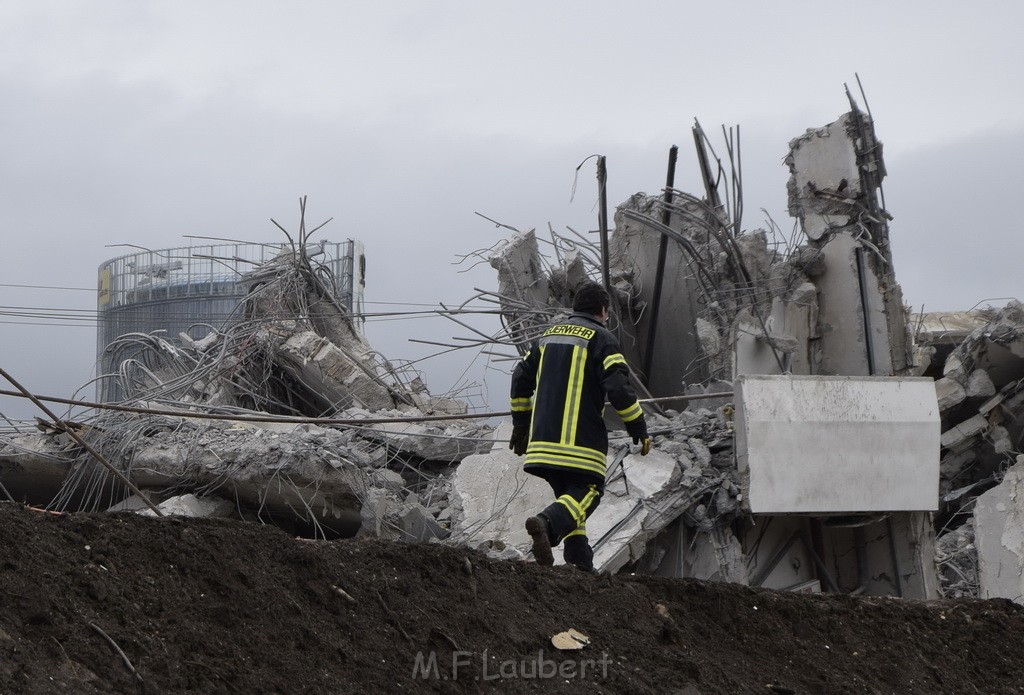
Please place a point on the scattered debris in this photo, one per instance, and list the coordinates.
(698, 302)
(291, 350)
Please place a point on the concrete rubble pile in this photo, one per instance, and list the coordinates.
(291, 350)
(689, 473)
(977, 360)
(727, 302)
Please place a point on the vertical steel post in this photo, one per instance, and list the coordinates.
(602, 217)
(666, 217)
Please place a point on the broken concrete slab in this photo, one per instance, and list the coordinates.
(845, 347)
(824, 160)
(999, 537)
(964, 433)
(677, 356)
(492, 496)
(449, 441)
(836, 172)
(280, 474)
(328, 370)
(948, 327)
(635, 507)
(522, 283)
(388, 479)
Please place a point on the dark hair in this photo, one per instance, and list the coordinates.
(591, 298)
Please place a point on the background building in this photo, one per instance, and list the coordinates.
(195, 289)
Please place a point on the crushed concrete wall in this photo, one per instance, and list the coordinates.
(678, 356)
(835, 174)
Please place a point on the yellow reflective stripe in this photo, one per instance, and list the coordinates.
(617, 358)
(580, 530)
(561, 462)
(536, 382)
(631, 413)
(579, 510)
(520, 405)
(568, 507)
(588, 498)
(573, 393)
(573, 506)
(580, 373)
(542, 447)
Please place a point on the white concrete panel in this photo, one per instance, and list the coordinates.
(815, 444)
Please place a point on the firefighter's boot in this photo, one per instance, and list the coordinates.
(539, 529)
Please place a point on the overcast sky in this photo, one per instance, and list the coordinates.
(131, 121)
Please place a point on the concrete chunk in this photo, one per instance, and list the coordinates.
(450, 443)
(192, 506)
(979, 383)
(949, 393)
(387, 479)
(963, 433)
(418, 525)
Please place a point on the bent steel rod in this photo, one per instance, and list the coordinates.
(59, 424)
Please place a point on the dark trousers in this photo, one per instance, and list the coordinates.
(577, 496)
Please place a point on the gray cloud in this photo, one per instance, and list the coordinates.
(154, 120)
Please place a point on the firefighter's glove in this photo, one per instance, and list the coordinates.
(520, 438)
(638, 431)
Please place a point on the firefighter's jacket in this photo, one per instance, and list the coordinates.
(559, 390)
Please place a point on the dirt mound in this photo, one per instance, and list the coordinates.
(204, 606)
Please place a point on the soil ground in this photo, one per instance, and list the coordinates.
(207, 606)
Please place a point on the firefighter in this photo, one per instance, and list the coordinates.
(558, 395)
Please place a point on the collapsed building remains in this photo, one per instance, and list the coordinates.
(732, 334)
